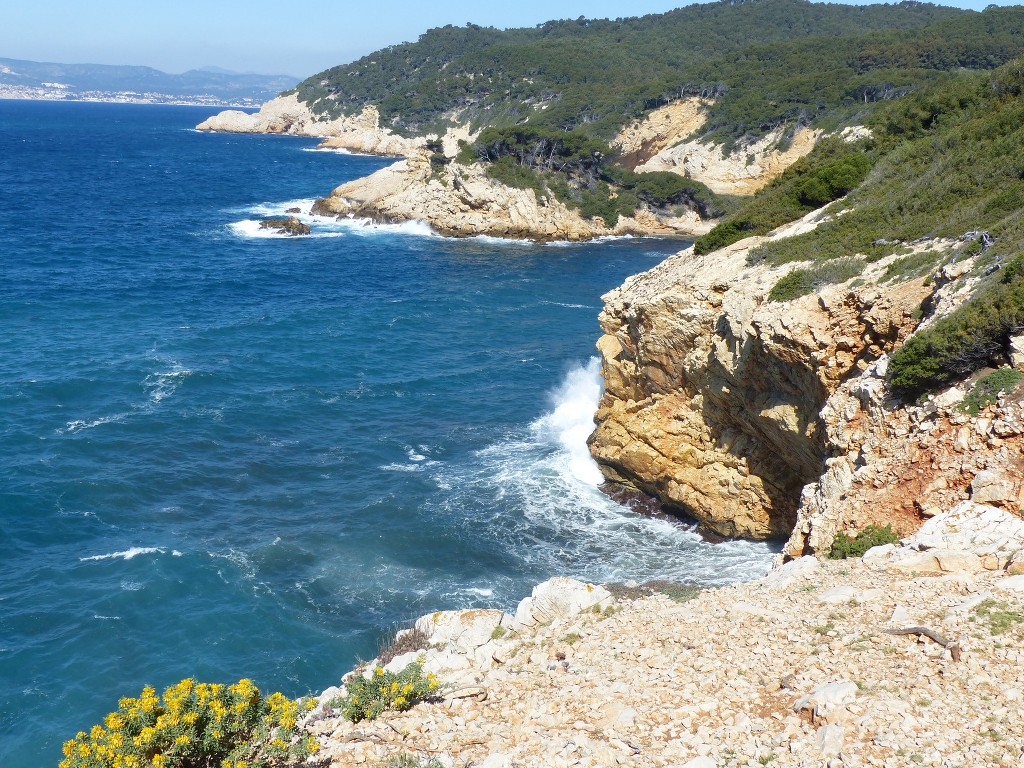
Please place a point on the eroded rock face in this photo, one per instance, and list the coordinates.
(462, 201)
(667, 139)
(712, 394)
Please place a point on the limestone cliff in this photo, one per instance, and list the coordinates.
(763, 418)
(462, 201)
(288, 115)
(668, 139)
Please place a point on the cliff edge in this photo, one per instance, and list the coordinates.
(773, 419)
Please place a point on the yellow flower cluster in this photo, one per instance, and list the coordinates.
(369, 696)
(194, 723)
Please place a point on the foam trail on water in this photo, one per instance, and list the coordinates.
(572, 420)
(535, 493)
(127, 554)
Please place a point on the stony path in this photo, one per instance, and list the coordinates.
(719, 680)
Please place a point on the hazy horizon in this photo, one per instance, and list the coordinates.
(257, 37)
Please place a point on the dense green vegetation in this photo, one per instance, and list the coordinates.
(947, 163)
(767, 62)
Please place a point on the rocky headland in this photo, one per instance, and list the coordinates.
(907, 656)
(460, 199)
(288, 115)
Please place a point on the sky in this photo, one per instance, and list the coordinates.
(272, 37)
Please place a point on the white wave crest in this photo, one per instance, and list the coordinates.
(572, 420)
(80, 424)
(127, 554)
(536, 493)
(160, 385)
(251, 229)
(368, 227)
(330, 150)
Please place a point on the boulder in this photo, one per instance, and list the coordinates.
(286, 226)
(992, 488)
(827, 702)
(795, 570)
(461, 631)
(560, 598)
(966, 539)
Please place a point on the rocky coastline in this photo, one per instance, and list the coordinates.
(769, 419)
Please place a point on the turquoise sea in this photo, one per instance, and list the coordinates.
(225, 454)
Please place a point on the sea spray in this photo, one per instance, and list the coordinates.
(572, 420)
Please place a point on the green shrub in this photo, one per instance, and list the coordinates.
(986, 391)
(965, 340)
(872, 536)
(907, 267)
(195, 725)
(366, 698)
(406, 760)
(511, 174)
(830, 171)
(801, 282)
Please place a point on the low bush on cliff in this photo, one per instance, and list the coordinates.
(195, 725)
(368, 697)
(964, 341)
(872, 536)
(830, 171)
(801, 282)
(986, 391)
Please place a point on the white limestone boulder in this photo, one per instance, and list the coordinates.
(560, 598)
(968, 538)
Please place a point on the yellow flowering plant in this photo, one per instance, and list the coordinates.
(367, 696)
(195, 725)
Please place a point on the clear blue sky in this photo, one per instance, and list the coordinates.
(296, 38)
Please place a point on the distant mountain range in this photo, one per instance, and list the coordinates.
(209, 85)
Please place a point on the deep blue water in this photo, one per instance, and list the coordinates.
(224, 455)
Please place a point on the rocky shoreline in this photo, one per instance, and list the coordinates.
(820, 663)
(460, 200)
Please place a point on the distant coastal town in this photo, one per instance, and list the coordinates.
(63, 92)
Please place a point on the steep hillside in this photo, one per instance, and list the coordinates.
(594, 74)
(601, 115)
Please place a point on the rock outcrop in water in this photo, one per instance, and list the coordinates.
(288, 226)
(462, 201)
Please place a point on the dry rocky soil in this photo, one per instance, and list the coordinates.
(800, 668)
